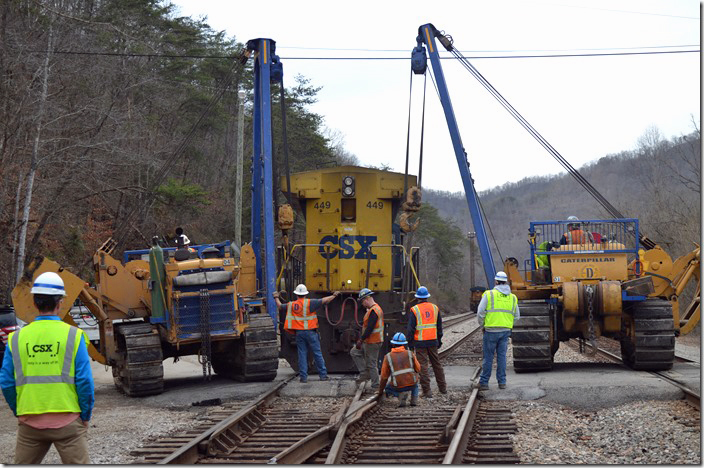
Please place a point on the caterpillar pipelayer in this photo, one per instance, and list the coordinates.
(168, 303)
(609, 281)
(194, 300)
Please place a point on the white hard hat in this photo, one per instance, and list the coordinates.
(501, 276)
(49, 283)
(300, 290)
(572, 218)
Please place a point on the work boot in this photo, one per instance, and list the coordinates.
(402, 399)
(443, 391)
(484, 387)
(414, 400)
(502, 386)
(428, 394)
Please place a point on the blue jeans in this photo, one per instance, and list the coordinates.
(308, 340)
(396, 391)
(494, 341)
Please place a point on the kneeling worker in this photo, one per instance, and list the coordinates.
(403, 368)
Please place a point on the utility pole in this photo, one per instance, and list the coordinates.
(240, 159)
(471, 236)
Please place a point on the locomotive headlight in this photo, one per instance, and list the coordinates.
(348, 186)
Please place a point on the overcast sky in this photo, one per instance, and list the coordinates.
(586, 107)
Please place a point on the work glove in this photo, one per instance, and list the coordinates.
(358, 345)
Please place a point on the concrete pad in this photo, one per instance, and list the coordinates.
(584, 386)
(693, 353)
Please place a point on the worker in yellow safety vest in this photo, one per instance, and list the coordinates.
(302, 319)
(400, 368)
(47, 380)
(425, 326)
(365, 353)
(496, 313)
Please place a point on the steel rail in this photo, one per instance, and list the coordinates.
(455, 319)
(453, 347)
(458, 444)
(190, 452)
(310, 445)
(690, 396)
(355, 412)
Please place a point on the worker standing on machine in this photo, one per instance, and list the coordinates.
(365, 353)
(575, 234)
(47, 380)
(425, 326)
(402, 366)
(496, 313)
(301, 319)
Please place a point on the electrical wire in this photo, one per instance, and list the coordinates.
(474, 57)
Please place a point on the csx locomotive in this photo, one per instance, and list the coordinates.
(352, 241)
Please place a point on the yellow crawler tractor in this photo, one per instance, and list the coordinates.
(160, 303)
(588, 279)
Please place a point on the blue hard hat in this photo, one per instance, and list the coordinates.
(399, 339)
(422, 293)
(364, 293)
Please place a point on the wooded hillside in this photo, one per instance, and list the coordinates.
(119, 119)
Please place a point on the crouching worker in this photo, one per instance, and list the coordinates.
(402, 367)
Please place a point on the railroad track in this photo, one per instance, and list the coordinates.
(449, 349)
(456, 319)
(272, 430)
(690, 395)
(242, 433)
(476, 432)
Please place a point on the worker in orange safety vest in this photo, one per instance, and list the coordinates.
(302, 319)
(402, 367)
(365, 353)
(425, 326)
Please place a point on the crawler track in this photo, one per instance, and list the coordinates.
(532, 338)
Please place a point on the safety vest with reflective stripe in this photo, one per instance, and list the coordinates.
(377, 335)
(500, 309)
(299, 316)
(542, 261)
(401, 366)
(576, 236)
(426, 321)
(43, 354)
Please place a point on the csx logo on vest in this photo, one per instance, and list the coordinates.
(347, 246)
(43, 348)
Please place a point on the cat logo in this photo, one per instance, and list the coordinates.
(347, 247)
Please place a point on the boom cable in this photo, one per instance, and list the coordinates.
(612, 210)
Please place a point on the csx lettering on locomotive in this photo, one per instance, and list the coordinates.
(347, 247)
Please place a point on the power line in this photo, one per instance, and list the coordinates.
(595, 54)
